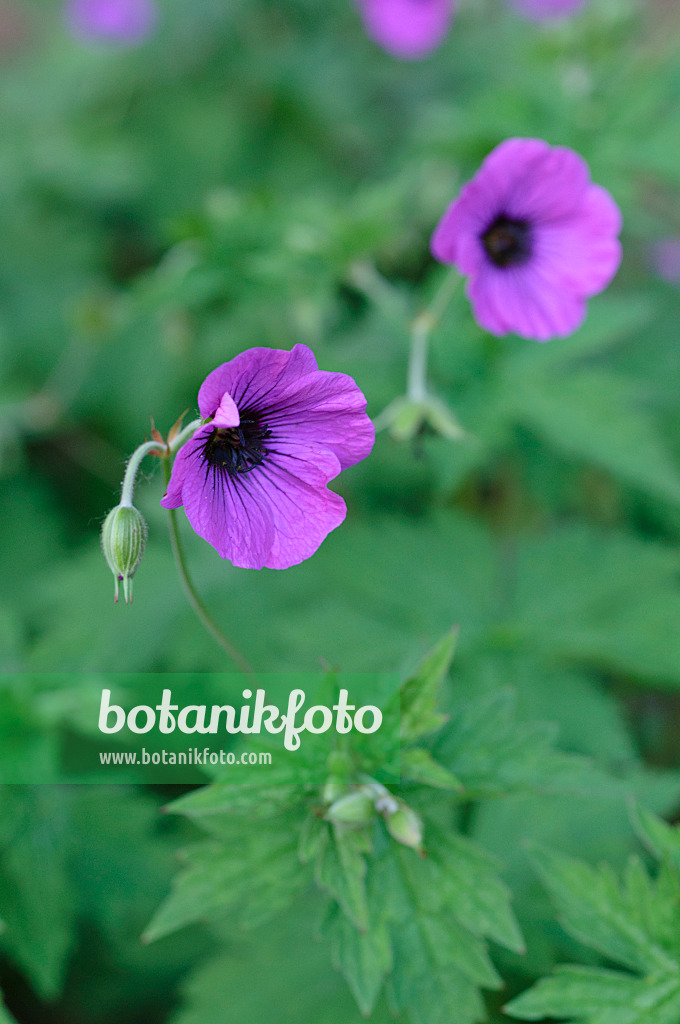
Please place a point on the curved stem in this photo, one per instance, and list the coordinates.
(133, 467)
(423, 326)
(196, 602)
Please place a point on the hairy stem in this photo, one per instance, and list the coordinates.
(132, 469)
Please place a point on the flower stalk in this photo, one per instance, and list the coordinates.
(423, 326)
(196, 602)
(408, 414)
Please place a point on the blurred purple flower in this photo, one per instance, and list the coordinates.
(535, 237)
(253, 481)
(122, 21)
(544, 10)
(407, 28)
(665, 259)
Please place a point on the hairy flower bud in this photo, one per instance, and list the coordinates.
(123, 540)
(354, 809)
(405, 826)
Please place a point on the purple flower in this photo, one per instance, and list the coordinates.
(535, 237)
(253, 479)
(407, 28)
(123, 21)
(544, 10)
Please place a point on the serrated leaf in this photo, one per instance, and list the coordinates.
(419, 696)
(634, 921)
(493, 754)
(363, 957)
(660, 838)
(583, 993)
(254, 877)
(418, 765)
(254, 801)
(341, 871)
(598, 911)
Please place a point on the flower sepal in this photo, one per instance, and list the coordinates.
(354, 809)
(405, 418)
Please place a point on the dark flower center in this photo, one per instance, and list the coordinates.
(237, 449)
(508, 242)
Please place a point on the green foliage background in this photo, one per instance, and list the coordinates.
(251, 176)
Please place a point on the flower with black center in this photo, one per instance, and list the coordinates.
(408, 29)
(253, 478)
(535, 238)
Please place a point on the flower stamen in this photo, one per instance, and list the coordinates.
(236, 449)
(508, 242)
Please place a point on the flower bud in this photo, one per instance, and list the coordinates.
(354, 809)
(123, 540)
(334, 787)
(405, 826)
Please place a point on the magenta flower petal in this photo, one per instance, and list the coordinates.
(535, 238)
(253, 480)
(123, 21)
(407, 28)
(544, 10)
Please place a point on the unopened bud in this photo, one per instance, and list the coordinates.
(354, 809)
(123, 540)
(406, 826)
(334, 788)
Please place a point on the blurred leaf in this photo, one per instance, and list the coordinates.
(594, 416)
(37, 905)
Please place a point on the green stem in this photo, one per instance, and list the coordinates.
(423, 326)
(133, 468)
(196, 602)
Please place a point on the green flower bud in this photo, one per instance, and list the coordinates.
(123, 540)
(354, 809)
(335, 786)
(406, 826)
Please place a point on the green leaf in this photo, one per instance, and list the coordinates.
(624, 619)
(341, 871)
(589, 994)
(364, 957)
(437, 921)
(419, 696)
(598, 911)
(418, 765)
(593, 415)
(37, 905)
(494, 754)
(252, 873)
(660, 838)
(262, 976)
(634, 921)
